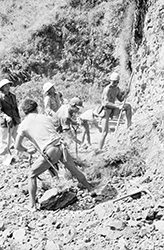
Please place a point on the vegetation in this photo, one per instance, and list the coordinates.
(72, 42)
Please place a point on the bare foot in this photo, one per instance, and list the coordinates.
(30, 208)
(97, 151)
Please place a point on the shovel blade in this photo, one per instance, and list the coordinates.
(8, 159)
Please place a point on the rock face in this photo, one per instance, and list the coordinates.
(147, 88)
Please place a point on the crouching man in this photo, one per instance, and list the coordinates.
(39, 129)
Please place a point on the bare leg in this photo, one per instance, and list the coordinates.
(3, 141)
(32, 187)
(14, 134)
(40, 166)
(87, 132)
(128, 112)
(83, 136)
(95, 123)
(105, 128)
(70, 165)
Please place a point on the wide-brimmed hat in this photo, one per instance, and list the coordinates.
(75, 101)
(47, 86)
(114, 76)
(4, 82)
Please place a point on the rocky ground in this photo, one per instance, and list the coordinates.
(131, 163)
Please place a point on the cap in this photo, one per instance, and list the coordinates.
(75, 101)
(4, 82)
(114, 76)
(47, 86)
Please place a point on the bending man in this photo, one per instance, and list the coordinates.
(67, 118)
(39, 129)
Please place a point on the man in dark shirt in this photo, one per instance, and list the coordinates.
(9, 116)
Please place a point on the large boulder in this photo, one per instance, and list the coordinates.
(54, 200)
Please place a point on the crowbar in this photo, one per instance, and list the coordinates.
(136, 191)
(76, 146)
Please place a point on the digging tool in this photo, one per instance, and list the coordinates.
(76, 146)
(136, 191)
(120, 114)
(8, 159)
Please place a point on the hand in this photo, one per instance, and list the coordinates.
(127, 92)
(8, 119)
(121, 107)
(31, 150)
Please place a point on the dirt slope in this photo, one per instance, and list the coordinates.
(132, 159)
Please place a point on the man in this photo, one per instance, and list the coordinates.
(40, 130)
(52, 100)
(110, 93)
(66, 116)
(9, 116)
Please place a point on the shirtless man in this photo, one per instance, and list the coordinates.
(110, 94)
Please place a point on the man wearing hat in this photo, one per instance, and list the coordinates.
(51, 99)
(110, 94)
(9, 116)
(66, 116)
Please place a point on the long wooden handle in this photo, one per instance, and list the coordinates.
(8, 138)
(120, 114)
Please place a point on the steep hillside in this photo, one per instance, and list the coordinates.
(77, 44)
(69, 38)
(147, 90)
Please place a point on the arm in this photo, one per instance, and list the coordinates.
(66, 126)
(122, 94)
(19, 146)
(4, 116)
(72, 136)
(47, 106)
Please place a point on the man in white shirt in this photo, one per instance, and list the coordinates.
(40, 130)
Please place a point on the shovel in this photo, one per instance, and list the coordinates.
(76, 146)
(8, 159)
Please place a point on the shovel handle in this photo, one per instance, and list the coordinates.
(8, 137)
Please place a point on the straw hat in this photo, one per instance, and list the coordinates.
(114, 76)
(75, 101)
(4, 82)
(47, 86)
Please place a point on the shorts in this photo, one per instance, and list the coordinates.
(41, 165)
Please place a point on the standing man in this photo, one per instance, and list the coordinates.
(110, 93)
(52, 100)
(9, 116)
(40, 130)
